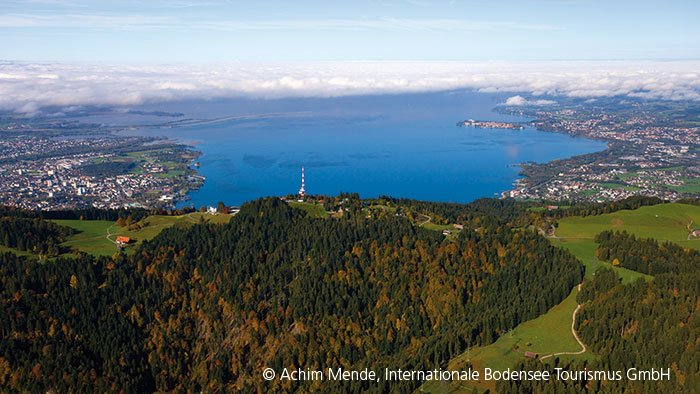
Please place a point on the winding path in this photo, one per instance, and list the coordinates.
(573, 331)
(425, 222)
(109, 234)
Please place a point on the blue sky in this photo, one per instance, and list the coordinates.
(225, 31)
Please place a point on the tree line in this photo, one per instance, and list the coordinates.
(34, 235)
(647, 256)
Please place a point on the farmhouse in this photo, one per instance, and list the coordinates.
(122, 240)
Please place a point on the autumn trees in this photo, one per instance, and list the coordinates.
(205, 308)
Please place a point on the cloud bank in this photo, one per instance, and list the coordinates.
(26, 87)
(520, 100)
(147, 23)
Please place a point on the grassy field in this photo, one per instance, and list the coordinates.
(541, 335)
(690, 186)
(666, 222)
(97, 236)
(610, 185)
(92, 236)
(584, 250)
(314, 210)
(550, 333)
(18, 252)
(438, 227)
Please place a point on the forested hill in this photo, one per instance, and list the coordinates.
(210, 306)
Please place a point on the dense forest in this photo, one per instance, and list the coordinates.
(588, 209)
(647, 256)
(206, 308)
(502, 210)
(34, 235)
(78, 214)
(643, 325)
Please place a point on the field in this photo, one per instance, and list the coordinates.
(437, 227)
(314, 210)
(551, 332)
(18, 252)
(92, 237)
(584, 250)
(691, 186)
(540, 335)
(666, 222)
(97, 236)
(609, 185)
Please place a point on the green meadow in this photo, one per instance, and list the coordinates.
(98, 237)
(314, 210)
(665, 222)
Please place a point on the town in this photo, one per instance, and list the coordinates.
(650, 152)
(102, 172)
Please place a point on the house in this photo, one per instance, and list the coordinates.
(696, 233)
(122, 240)
(531, 355)
(446, 232)
(458, 226)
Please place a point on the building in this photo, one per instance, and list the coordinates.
(122, 240)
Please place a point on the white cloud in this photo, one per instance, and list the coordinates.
(160, 22)
(520, 100)
(33, 85)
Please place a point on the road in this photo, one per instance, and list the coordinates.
(573, 331)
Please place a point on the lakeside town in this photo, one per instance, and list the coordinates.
(653, 149)
(106, 171)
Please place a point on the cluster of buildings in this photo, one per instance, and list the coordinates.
(642, 127)
(644, 157)
(41, 173)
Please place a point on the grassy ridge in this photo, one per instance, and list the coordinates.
(97, 236)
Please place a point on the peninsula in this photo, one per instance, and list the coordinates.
(489, 124)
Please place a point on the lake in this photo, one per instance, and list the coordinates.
(404, 145)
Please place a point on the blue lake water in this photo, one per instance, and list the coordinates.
(400, 145)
